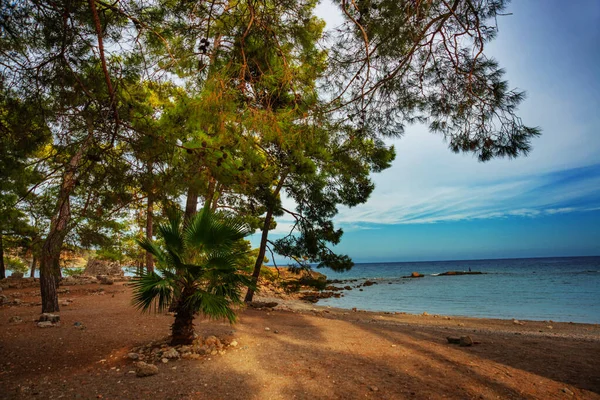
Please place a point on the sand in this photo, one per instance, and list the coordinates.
(308, 352)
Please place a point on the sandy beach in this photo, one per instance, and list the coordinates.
(296, 350)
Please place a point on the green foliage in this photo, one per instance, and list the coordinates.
(73, 271)
(15, 264)
(269, 274)
(198, 267)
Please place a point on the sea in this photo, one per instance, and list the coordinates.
(565, 289)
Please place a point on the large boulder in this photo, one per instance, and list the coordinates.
(97, 267)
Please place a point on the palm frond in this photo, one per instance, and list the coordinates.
(215, 231)
(152, 248)
(172, 234)
(152, 291)
(211, 305)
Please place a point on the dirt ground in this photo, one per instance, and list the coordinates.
(308, 352)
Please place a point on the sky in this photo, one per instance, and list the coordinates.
(433, 204)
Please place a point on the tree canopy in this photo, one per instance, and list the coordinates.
(117, 113)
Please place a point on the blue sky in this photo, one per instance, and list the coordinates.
(436, 205)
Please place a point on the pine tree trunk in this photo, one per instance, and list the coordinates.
(261, 255)
(50, 254)
(191, 204)
(59, 226)
(182, 330)
(263, 241)
(216, 195)
(149, 232)
(150, 219)
(2, 267)
(33, 263)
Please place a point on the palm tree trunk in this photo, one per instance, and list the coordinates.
(182, 330)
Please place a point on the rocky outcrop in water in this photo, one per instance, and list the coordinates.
(460, 273)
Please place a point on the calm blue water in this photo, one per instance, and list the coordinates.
(558, 289)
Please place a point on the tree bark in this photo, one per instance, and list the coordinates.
(150, 217)
(33, 263)
(59, 226)
(263, 242)
(2, 267)
(215, 199)
(191, 204)
(210, 192)
(149, 232)
(182, 330)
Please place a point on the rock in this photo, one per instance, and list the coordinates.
(16, 275)
(453, 340)
(262, 304)
(374, 388)
(17, 302)
(517, 322)
(425, 314)
(143, 369)
(133, 356)
(3, 299)
(213, 341)
(171, 354)
(164, 360)
(466, 341)
(233, 343)
(45, 324)
(15, 320)
(79, 325)
(105, 280)
(567, 391)
(65, 303)
(96, 267)
(369, 283)
(47, 317)
(452, 273)
(267, 329)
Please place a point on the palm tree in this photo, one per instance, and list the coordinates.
(198, 270)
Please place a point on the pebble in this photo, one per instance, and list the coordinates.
(267, 329)
(567, 391)
(164, 360)
(15, 319)
(171, 354)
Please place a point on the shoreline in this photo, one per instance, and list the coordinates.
(295, 350)
(555, 329)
